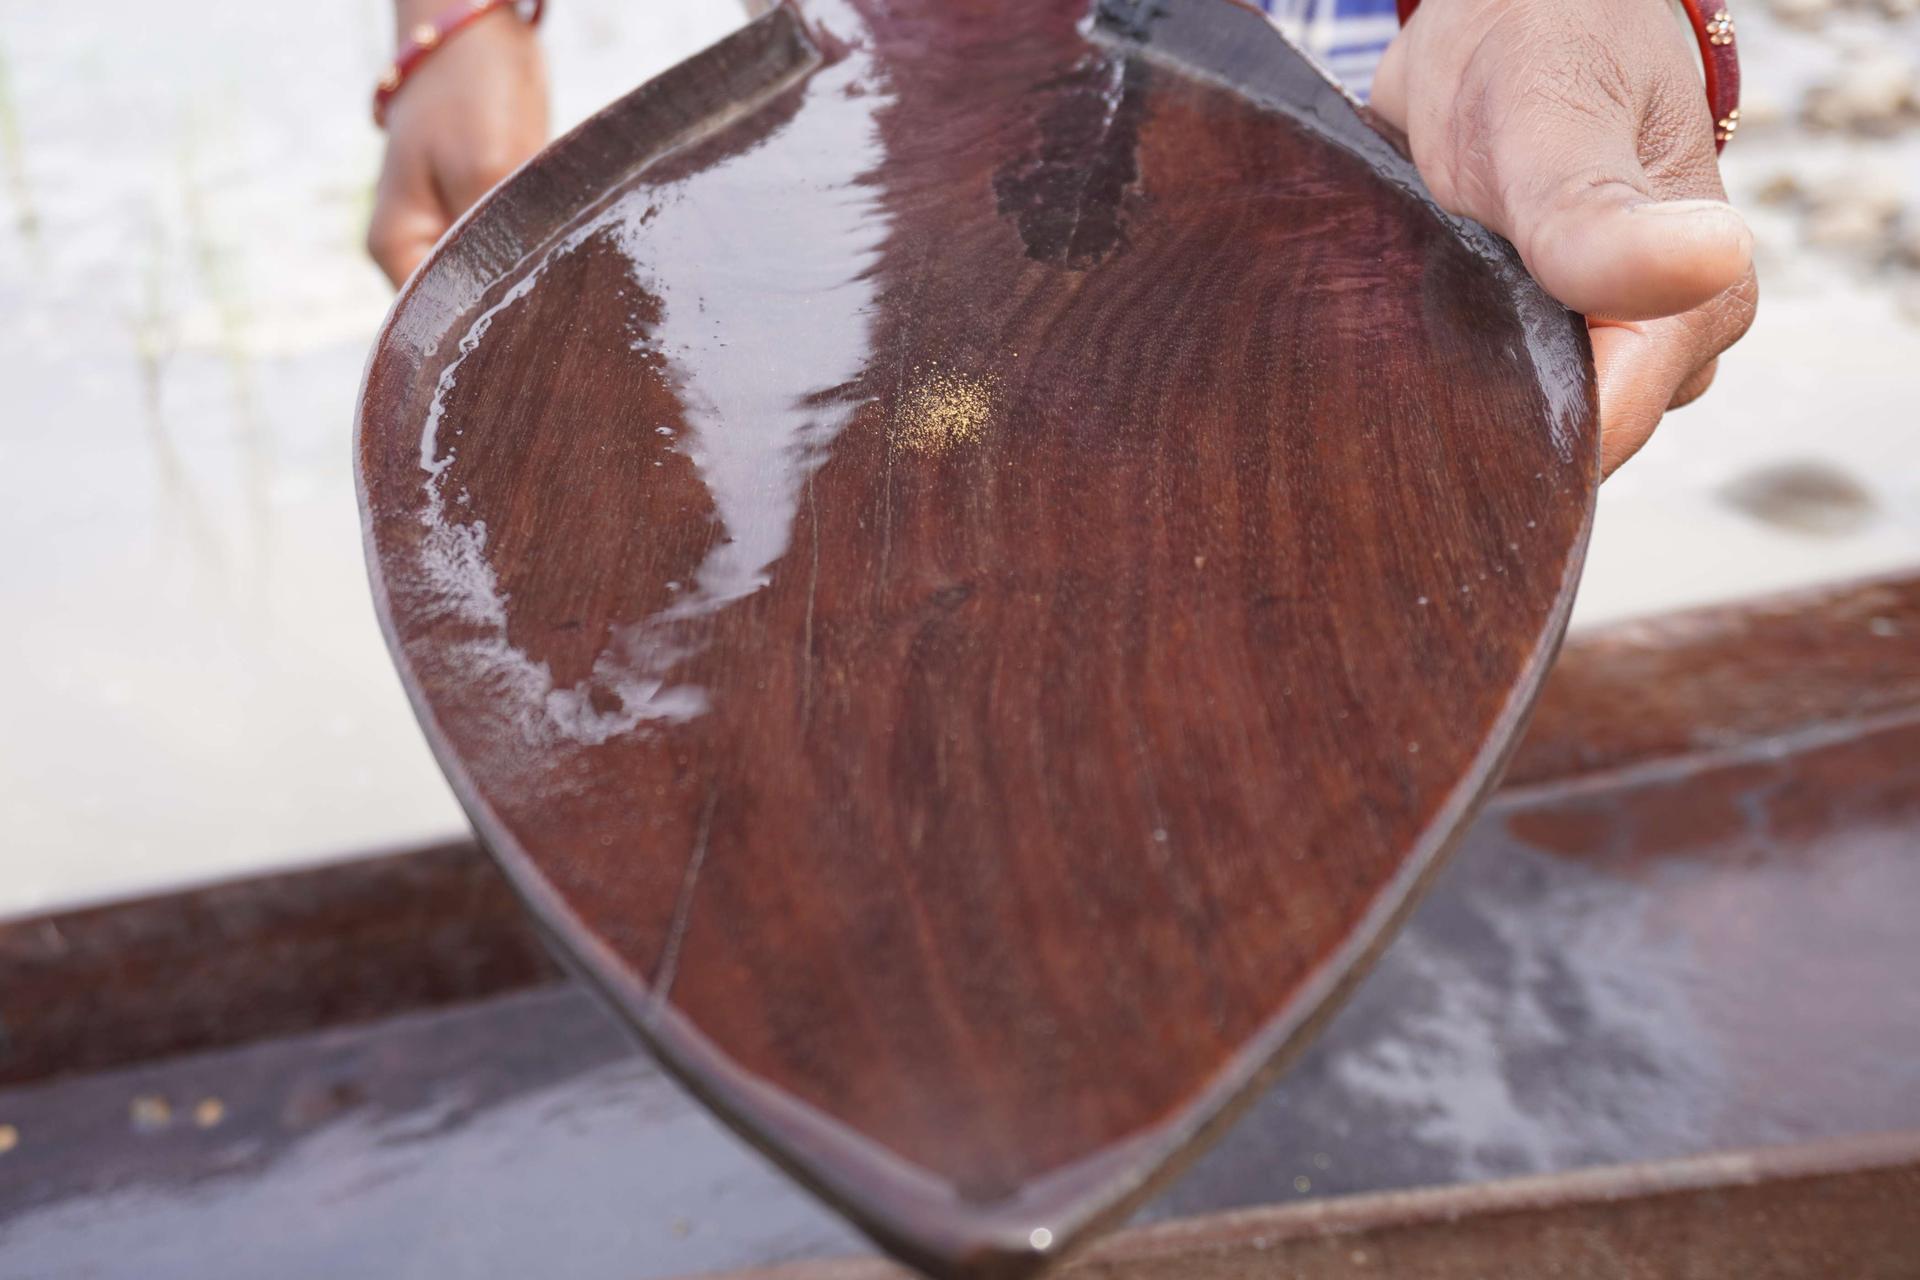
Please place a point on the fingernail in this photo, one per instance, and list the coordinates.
(1686, 208)
(1727, 224)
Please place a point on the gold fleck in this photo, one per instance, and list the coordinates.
(9, 1138)
(149, 1112)
(209, 1112)
(682, 1228)
(1303, 1184)
(942, 410)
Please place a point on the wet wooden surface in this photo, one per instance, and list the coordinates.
(1845, 1208)
(231, 963)
(969, 572)
(1691, 946)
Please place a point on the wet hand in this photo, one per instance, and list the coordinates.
(1581, 134)
(466, 119)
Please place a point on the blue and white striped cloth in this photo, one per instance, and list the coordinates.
(1347, 36)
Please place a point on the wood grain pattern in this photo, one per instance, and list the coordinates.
(968, 563)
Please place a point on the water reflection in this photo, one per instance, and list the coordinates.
(760, 367)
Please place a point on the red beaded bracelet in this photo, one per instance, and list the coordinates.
(423, 38)
(1717, 55)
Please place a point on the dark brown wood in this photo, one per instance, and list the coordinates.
(1687, 686)
(1847, 1208)
(968, 565)
(225, 964)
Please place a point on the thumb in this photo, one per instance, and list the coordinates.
(1575, 131)
(1599, 242)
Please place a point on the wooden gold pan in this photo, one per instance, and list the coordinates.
(968, 560)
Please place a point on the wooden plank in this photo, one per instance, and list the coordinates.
(969, 570)
(224, 964)
(1846, 1208)
(1691, 685)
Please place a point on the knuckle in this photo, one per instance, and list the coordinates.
(381, 243)
(1576, 75)
(485, 168)
(1731, 314)
(1695, 384)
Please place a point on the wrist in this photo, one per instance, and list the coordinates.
(409, 15)
(420, 38)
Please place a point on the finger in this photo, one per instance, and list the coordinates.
(1639, 367)
(1696, 385)
(400, 240)
(1647, 367)
(408, 216)
(465, 179)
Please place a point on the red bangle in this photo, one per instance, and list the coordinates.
(423, 38)
(1717, 55)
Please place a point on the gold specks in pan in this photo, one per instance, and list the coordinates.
(943, 410)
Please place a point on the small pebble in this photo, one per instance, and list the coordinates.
(1759, 110)
(150, 1113)
(1875, 95)
(1906, 241)
(1804, 13)
(1908, 301)
(1804, 497)
(1854, 214)
(1783, 189)
(1849, 228)
(9, 1138)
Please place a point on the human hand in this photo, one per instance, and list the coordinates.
(466, 119)
(1580, 133)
